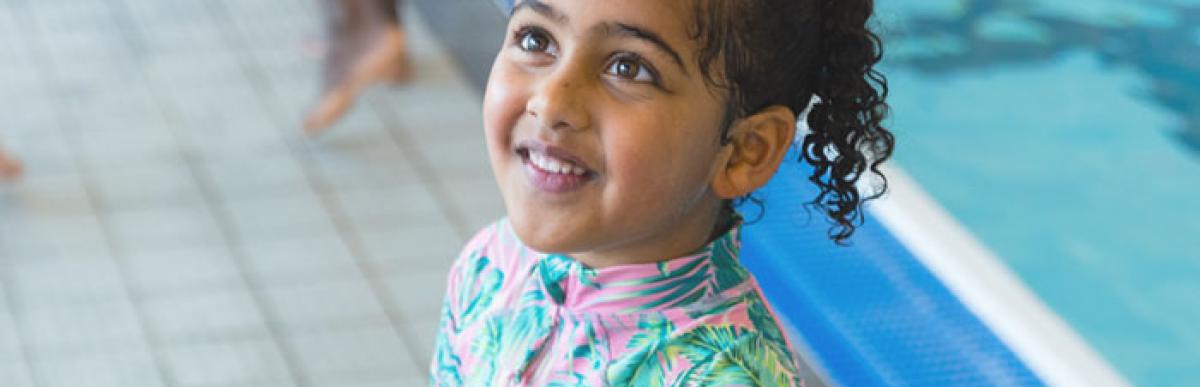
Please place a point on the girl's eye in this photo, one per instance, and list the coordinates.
(532, 41)
(631, 69)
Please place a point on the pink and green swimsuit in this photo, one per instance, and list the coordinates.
(516, 317)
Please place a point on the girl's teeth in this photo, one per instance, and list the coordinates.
(553, 165)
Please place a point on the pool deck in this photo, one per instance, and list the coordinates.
(174, 228)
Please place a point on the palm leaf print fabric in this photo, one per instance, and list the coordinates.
(516, 317)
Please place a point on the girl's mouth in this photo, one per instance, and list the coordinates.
(553, 170)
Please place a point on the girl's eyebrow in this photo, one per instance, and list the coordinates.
(629, 30)
(542, 9)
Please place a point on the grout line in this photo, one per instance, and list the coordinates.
(264, 88)
(11, 302)
(48, 74)
(423, 167)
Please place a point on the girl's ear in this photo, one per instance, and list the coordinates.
(756, 146)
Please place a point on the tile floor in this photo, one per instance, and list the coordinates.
(175, 229)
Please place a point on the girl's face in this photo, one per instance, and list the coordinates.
(602, 133)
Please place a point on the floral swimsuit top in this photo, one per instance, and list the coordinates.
(516, 317)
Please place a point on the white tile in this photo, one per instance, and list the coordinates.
(98, 112)
(11, 346)
(385, 381)
(219, 120)
(281, 217)
(110, 139)
(418, 295)
(256, 176)
(190, 73)
(303, 307)
(403, 205)
(455, 158)
(104, 154)
(87, 46)
(425, 330)
(277, 383)
(479, 200)
(101, 369)
(426, 248)
(67, 281)
(248, 145)
(189, 268)
(360, 125)
(43, 150)
(32, 237)
(300, 260)
(31, 114)
(227, 362)
(22, 88)
(67, 328)
(361, 354)
(203, 315)
(15, 374)
(164, 228)
(158, 16)
(295, 77)
(356, 165)
(69, 16)
(435, 109)
(251, 155)
(156, 12)
(45, 196)
(21, 80)
(95, 69)
(152, 185)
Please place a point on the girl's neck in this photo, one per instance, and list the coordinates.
(683, 236)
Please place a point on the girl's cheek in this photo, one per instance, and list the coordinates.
(503, 103)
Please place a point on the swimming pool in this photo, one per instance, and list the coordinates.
(1066, 137)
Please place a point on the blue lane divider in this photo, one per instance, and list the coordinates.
(872, 313)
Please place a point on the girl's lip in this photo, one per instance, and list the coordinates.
(559, 153)
(555, 183)
(549, 182)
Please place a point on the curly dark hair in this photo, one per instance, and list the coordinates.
(785, 52)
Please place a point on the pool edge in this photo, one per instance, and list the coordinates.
(1039, 337)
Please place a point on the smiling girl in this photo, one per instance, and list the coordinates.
(621, 132)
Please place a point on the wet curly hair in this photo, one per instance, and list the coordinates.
(785, 52)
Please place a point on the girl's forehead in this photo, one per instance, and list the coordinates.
(668, 18)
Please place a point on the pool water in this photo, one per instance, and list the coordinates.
(1066, 136)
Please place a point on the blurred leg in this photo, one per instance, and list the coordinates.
(367, 45)
(9, 167)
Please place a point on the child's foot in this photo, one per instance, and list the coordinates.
(358, 59)
(9, 168)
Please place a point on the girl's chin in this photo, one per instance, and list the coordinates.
(545, 237)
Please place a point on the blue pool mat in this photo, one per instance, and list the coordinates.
(871, 313)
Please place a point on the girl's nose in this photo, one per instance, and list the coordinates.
(559, 100)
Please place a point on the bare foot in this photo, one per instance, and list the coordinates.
(9, 168)
(356, 60)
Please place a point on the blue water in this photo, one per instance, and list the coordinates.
(1066, 136)
(872, 314)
